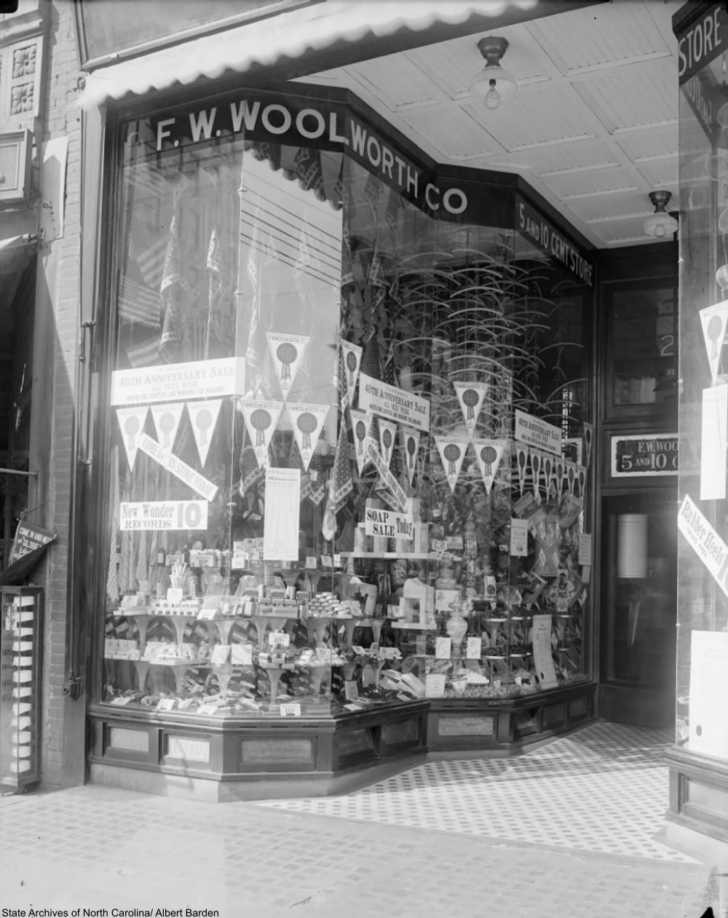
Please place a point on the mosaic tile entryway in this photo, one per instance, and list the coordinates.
(601, 789)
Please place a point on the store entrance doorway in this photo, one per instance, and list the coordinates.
(638, 617)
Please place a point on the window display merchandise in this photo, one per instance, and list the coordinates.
(348, 431)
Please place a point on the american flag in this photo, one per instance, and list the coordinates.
(173, 323)
(143, 353)
(149, 256)
(138, 303)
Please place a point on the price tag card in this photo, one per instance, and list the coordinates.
(241, 654)
(337, 560)
(585, 548)
(290, 710)
(519, 538)
(166, 704)
(206, 615)
(220, 654)
(311, 563)
(279, 639)
(474, 648)
(327, 561)
(351, 690)
(434, 685)
(443, 648)
(209, 707)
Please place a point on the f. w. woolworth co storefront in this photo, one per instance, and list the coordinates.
(377, 445)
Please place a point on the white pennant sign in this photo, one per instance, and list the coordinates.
(287, 353)
(260, 420)
(536, 460)
(489, 454)
(203, 417)
(307, 421)
(410, 447)
(361, 425)
(452, 453)
(166, 421)
(471, 396)
(713, 320)
(131, 424)
(521, 460)
(387, 434)
(351, 357)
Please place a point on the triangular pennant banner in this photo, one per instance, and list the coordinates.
(307, 422)
(452, 452)
(559, 473)
(521, 462)
(287, 353)
(548, 473)
(536, 460)
(713, 320)
(471, 396)
(387, 434)
(361, 423)
(131, 424)
(588, 437)
(351, 356)
(489, 454)
(410, 438)
(203, 417)
(166, 421)
(260, 420)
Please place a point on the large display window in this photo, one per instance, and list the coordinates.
(349, 432)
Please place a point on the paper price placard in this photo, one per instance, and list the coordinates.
(474, 648)
(443, 648)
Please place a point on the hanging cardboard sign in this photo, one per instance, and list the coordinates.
(307, 420)
(705, 541)
(410, 446)
(519, 538)
(351, 357)
(713, 320)
(166, 421)
(261, 419)
(535, 432)
(177, 467)
(361, 425)
(178, 382)
(387, 434)
(162, 515)
(282, 510)
(203, 417)
(388, 523)
(387, 401)
(470, 396)
(287, 353)
(452, 452)
(131, 424)
(489, 454)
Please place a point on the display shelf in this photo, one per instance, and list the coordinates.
(390, 555)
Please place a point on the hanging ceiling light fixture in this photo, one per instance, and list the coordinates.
(494, 84)
(660, 223)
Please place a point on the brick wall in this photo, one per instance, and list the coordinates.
(56, 360)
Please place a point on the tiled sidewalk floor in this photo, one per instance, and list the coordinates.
(427, 845)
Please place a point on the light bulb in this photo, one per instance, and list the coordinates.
(492, 97)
